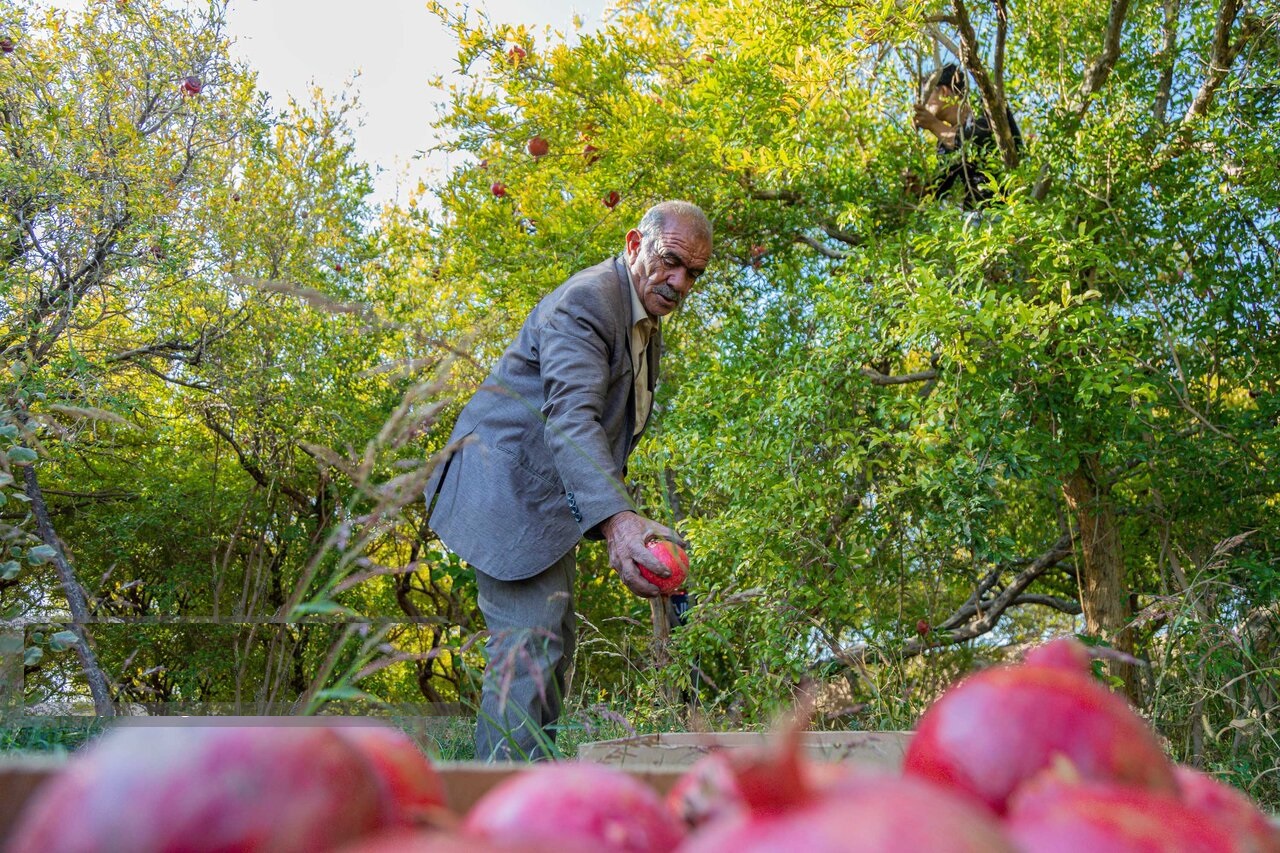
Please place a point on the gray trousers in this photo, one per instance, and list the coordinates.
(529, 654)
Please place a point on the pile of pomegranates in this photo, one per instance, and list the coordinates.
(1032, 758)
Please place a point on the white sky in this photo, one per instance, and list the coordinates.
(395, 45)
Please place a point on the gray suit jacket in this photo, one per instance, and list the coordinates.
(543, 444)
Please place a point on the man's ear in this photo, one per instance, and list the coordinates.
(633, 242)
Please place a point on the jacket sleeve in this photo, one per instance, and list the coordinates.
(575, 350)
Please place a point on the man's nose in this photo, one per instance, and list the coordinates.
(680, 280)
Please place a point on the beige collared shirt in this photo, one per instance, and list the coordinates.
(641, 332)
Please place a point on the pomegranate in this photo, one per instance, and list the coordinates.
(998, 728)
(412, 791)
(575, 805)
(537, 147)
(707, 792)
(192, 85)
(207, 789)
(1103, 817)
(674, 558)
(1227, 807)
(875, 814)
(1062, 653)
(498, 188)
(411, 841)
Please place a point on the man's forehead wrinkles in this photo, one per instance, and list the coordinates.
(675, 245)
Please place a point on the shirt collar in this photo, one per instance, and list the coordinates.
(639, 316)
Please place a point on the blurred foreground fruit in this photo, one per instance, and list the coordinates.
(575, 806)
(877, 814)
(997, 729)
(674, 558)
(1227, 807)
(411, 789)
(207, 789)
(1058, 817)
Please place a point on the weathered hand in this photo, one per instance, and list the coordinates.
(627, 533)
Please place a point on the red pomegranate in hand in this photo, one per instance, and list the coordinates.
(675, 559)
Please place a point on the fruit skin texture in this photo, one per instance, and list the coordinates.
(140, 790)
(998, 728)
(191, 85)
(1228, 808)
(612, 199)
(876, 814)
(1058, 817)
(575, 805)
(498, 188)
(674, 558)
(537, 147)
(412, 791)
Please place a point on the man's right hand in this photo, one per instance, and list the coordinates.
(627, 534)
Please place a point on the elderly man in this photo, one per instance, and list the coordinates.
(541, 453)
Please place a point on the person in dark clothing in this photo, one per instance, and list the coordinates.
(966, 144)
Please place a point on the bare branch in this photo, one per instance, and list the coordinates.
(992, 611)
(942, 38)
(1168, 55)
(992, 90)
(788, 196)
(1102, 65)
(301, 500)
(878, 378)
(1223, 54)
(826, 251)
(843, 236)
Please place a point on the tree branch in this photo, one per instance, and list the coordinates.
(817, 245)
(992, 90)
(1223, 54)
(949, 632)
(301, 500)
(788, 196)
(878, 378)
(1168, 53)
(77, 602)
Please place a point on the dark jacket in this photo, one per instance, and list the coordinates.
(967, 161)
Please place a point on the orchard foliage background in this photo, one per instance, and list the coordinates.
(902, 438)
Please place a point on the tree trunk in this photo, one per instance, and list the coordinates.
(97, 679)
(1104, 597)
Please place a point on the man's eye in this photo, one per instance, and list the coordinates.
(671, 261)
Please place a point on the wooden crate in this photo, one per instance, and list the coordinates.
(881, 750)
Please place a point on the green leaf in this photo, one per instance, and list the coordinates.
(9, 570)
(32, 656)
(62, 640)
(321, 608)
(41, 554)
(22, 455)
(8, 431)
(345, 694)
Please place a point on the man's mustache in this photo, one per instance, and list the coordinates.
(667, 292)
